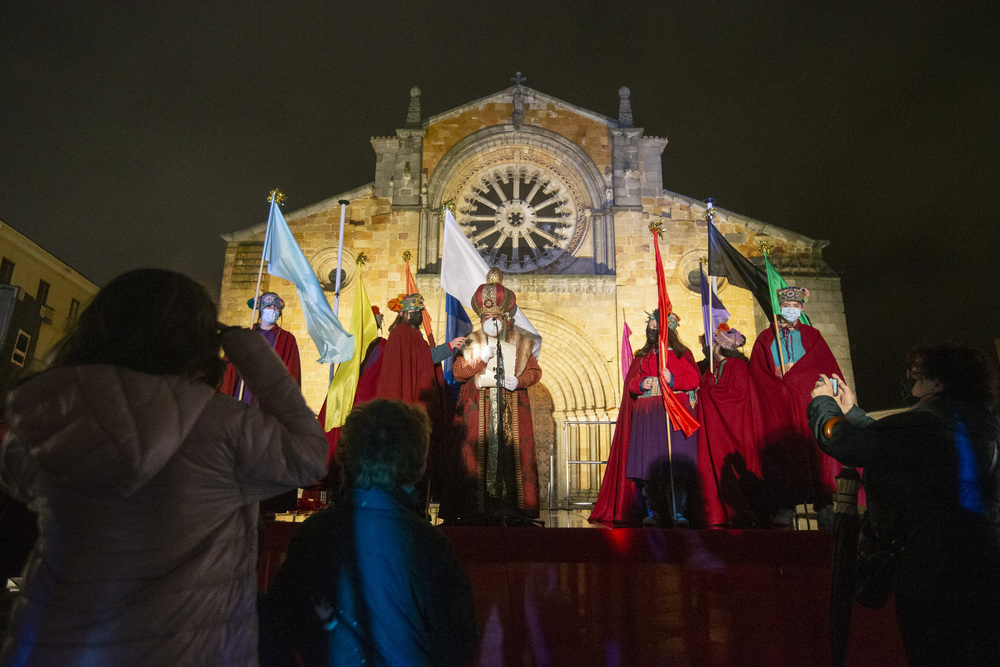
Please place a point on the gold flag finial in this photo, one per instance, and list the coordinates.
(448, 205)
(361, 259)
(656, 227)
(765, 247)
(276, 196)
(703, 259)
(407, 255)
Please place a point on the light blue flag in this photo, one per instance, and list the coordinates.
(285, 260)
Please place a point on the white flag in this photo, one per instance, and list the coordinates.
(463, 270)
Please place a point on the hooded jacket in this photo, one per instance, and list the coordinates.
(146, 489)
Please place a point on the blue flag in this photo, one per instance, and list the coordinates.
(285, 260)
(457, 324)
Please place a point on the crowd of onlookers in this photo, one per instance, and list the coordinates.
(146, 481)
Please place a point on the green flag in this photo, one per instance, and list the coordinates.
(774, 283)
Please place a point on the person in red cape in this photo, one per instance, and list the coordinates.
(783, 372)
(409, 374)
(269, 309)
(618, 500)
(497, 475)
(639, 463)
(727, 439)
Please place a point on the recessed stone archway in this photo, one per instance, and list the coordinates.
(582, 387)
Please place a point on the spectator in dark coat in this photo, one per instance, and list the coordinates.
(369, 580)
(933, 485)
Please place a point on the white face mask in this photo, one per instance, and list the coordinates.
(791, 314)
(269, 315)
(492, 327)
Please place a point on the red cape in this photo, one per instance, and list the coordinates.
(789, 456)
(409, 375)
(407, 368)
(617, 499)
(727, 442)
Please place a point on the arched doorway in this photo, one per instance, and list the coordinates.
(544, 425)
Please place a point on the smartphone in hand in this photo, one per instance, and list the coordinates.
(835, 385)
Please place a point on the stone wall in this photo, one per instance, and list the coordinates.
(579, 316)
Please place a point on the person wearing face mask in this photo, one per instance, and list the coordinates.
(269, 308)
(784, 366)
(637, 486)
(496, 475)
(932, 481)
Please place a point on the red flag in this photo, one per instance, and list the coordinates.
(681, 417)
(626, 355)
(411, 288)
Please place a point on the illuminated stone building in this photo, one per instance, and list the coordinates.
(561, 199)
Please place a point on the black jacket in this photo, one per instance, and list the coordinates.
(932, 481)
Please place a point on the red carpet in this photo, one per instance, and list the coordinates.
(586, 596)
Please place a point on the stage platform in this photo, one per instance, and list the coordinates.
(575, 593)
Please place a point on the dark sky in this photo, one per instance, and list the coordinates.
(136, 133)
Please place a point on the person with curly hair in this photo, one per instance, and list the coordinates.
(369, 580)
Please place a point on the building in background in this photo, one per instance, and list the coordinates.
(40, 299)
(560, 198)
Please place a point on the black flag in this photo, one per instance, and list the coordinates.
(726, 261)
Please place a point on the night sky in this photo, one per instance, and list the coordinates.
(136, 133)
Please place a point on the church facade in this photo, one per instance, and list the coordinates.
(561, 199)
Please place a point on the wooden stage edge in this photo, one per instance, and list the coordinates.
(634, 596)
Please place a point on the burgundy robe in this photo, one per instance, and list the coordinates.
(286, 347)
(409, 375)
(791, 463)
(727, 442)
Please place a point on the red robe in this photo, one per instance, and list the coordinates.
(286, 347)
(791, 463)
(409, 375)
(617, 500)
(727, 442)
(464, 496)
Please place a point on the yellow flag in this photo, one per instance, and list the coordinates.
(340, 397)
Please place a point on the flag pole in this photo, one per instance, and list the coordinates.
(710, 218)
(340, 260)
(619, 351)
(276, 197)
(340, 257)
(774, 315)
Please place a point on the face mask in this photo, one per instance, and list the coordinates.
(269, 316)
(906, 390)
(791, 314)
(492, 328)
(652, 335)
